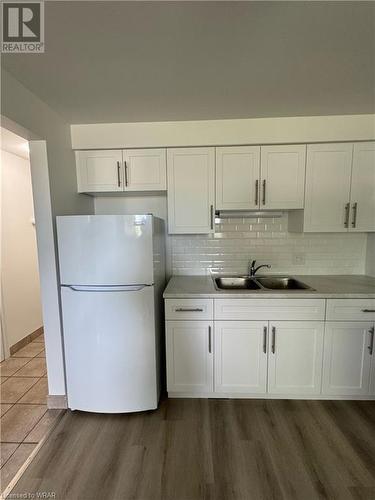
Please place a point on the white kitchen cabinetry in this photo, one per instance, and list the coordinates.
(241, 356)
(99, 171)
(193, 309)
(362, 196)
(282, 178)
(269, 309)
(189, 356)
(347, 358)
(237, 178)
(327, 193)
(190, 179)
(145, 169)
(340, 189)
(267, 177)
(350, 309)
(295, 357)
(121, 170)
(314, 348)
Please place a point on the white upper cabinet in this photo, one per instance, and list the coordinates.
(362, 194)
(282, 178)
(145, 169)
(191, 189)
(267, 177)
(99, 171)
(237, 178)
(116, 170)
(327, 195)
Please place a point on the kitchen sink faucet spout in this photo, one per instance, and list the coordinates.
(253, 270)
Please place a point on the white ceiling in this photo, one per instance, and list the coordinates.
(14, 143)
(156, 61)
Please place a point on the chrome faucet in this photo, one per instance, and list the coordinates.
(253, 270)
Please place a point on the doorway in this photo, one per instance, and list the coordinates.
(21, 309)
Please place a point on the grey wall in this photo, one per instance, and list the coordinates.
(26, 109)
(54, 189)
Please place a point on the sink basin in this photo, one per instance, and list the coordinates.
(236, 283)
(282, 283)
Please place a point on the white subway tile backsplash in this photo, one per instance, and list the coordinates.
(236, 241)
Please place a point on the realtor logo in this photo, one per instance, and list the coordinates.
(22, 27)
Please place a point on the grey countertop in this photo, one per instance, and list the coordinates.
(331, 286)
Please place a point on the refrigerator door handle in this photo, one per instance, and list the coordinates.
(126, 288)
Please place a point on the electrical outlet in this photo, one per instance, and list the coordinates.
(299, 259)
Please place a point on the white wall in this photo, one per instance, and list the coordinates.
(221, 132)
(54, 187)
(370, 255)
(19, 261)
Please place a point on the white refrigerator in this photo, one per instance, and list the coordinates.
(112, 275)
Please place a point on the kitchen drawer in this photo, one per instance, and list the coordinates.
(199, 309)
(351, 309)
(270, 309)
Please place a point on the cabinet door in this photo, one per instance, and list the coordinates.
(190, 175)
(295, 357)
(283, 177)
(145, 169)
(347, 359)
(189, 356)
(371, 348)
(241, 356)
(237, 177)
(99, 171)
(328, 172)
(363, 188)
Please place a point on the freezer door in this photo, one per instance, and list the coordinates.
(109, 340)
(105, 249)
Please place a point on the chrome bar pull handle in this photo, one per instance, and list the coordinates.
(354, 208)
(347, 213)
(264, 192)
(126, 173)
(273, 340)
(256, 192)
(209, 340)
(212, 216)
(186, 309)
(118, 174)
(265, 339)
(371, 345)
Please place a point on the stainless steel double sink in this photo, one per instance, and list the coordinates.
(262, 283)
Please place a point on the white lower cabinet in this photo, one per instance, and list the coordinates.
(295, 357)
(189, 356)
(347, 358)
(215, 349)
(241, 356)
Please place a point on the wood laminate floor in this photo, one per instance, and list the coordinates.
(211, 449)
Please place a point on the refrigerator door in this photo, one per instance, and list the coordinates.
(110, 353)
(105, 249)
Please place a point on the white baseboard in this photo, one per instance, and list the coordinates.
(215, 395)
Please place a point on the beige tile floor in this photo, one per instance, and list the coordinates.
(25, 420)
